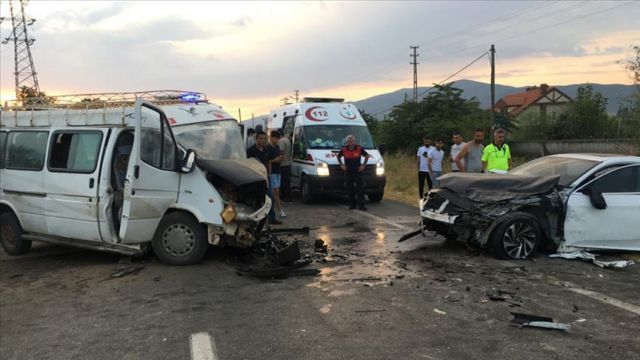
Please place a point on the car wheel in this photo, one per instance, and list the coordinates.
(306, 193)
(515, 239)
(376, 196)
(180, 240)
(11, 235)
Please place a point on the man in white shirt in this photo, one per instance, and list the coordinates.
(423, 165)
(435, 162)
(455, 150)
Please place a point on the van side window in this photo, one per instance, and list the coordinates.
(289, 123)
(299, 149)
(157, 147)
(26, 150)
(3, 141)
(74, 151)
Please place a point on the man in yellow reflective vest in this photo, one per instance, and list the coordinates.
(496, 157)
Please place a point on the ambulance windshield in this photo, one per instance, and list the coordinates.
(335, 136)
(212, 140)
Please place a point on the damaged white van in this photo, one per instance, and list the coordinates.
(320, 127)
(125, 176)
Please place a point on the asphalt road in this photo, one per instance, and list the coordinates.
(373, 299)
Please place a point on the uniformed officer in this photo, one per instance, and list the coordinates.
(353, 169)
(496, 156)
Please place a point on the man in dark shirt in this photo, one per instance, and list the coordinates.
(260, 152)
(353, 171)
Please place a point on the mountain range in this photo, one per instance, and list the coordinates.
(380, 105)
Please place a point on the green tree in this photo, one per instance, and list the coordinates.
(372, 123)
(31, 98)
(437, 115)
(586, 118)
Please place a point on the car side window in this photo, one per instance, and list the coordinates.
(622, 180)
(26, 150)
(3, 141)
(74, 151)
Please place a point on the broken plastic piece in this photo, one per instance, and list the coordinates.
(585, 255)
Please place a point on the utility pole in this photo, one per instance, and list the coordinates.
(239, 115)
(251, 116)
(25, 71)
(284, 100)
(493, 85)
(415, 71)
(296, 94)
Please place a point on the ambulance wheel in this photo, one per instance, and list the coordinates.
(306, 193)
(376, 196)
(11, 235)
(180, 240)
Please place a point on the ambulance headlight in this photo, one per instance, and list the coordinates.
(322, 168)
(380, 168)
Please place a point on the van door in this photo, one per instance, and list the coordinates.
(152, 180)
(71, 183)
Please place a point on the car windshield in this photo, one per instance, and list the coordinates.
(568, 169)
(335, 136)
(212, 140)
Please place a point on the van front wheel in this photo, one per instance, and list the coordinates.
(306, 193)
(11, 235)
(180, 240)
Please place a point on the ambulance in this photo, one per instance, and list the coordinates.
(126, 173)
(319, 128)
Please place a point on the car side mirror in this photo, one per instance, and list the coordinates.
(596, 198)
(382, 148)
(189, 162)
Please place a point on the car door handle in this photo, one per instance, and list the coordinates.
(136, 171)
(91, 183)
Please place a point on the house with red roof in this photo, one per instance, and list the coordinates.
(542, 101)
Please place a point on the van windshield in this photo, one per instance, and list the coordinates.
(212, 140)
(335, 136)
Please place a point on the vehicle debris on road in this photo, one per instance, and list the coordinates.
(585, 255)
(525, 320)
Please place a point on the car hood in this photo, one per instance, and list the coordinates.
(238, 172)
(496, 187)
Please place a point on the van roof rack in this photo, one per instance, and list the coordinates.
(321, 100)
(106, 100)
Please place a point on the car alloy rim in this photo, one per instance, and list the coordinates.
(178, 239)
(8, 235)
(519, 240)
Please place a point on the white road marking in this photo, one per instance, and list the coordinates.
(203, 347)
(386, 221)
(602, 298)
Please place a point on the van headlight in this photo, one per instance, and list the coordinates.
(322, 168)
(380, 168)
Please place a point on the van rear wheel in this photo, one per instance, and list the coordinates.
(11, 235)
(180, 240)
(376, 196)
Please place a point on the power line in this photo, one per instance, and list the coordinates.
(449, 77)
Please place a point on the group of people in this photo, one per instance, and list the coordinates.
(275, 155)
(472, 156)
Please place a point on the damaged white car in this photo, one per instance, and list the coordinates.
(587, 201)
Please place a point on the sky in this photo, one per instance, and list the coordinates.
(250, 55)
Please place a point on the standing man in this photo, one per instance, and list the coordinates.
(469, 159)
(455, 150)
(285, 167)
(353, 171)
(275, 178)
(423, 165)
(435, 162)
(251, 138)
(497, 156)
(259, 152)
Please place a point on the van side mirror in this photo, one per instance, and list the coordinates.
(189, 162)
(382, 148)
(596, 198)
